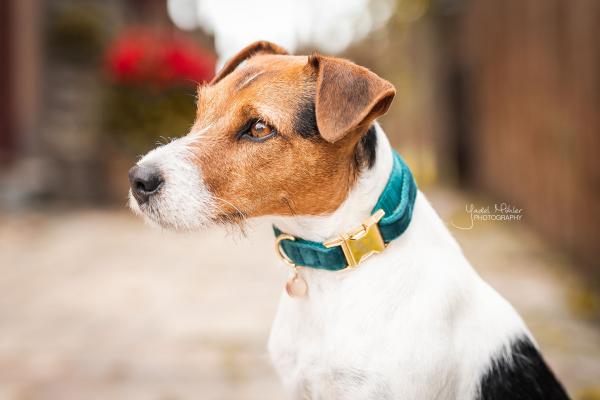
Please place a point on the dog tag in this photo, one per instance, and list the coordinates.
(296, 286)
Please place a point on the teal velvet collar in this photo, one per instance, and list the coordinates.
(397, 201)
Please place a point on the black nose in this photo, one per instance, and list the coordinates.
(145, 180)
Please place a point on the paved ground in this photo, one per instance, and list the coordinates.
(95, 305)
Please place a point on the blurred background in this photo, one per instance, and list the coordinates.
(497, 102)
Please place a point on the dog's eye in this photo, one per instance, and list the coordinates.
(259, 131)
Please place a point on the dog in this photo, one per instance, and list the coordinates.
(381, 302)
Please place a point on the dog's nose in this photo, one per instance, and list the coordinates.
(145, 180)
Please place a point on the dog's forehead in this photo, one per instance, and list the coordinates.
(260, 79)
(273, 66)
(276, 61)
(271, 85)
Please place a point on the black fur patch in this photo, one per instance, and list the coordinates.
(522, 376)
(305, 121)
(366, 149)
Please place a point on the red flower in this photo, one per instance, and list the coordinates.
(141, 56)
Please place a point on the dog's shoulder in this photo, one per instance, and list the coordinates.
(520, 374)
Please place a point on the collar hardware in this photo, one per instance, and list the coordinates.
(358, 245)
(280, 252)
(362, 242)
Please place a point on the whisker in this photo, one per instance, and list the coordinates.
(239, 222)
(240, 212)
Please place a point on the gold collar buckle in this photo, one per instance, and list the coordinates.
(362, 242)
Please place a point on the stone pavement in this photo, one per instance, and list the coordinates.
(96, 305)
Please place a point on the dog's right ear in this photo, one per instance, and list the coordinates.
(260, 47)
(348, 96)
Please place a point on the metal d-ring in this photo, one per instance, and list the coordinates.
(284, 257)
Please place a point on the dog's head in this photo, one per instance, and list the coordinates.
(274, 134)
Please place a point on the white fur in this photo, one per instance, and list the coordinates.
(183, 202)
(415, 322)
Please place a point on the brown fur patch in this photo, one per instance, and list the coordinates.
(290, 174)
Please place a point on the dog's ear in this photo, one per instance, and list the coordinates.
(348, 96)
(260, 47)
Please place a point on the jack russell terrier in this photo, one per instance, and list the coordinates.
(381, 302)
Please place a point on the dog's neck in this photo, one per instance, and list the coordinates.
(355, 209)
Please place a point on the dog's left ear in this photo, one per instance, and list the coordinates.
(348, 96)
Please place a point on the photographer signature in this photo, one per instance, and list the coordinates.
(501, 212)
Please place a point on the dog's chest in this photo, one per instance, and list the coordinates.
(355, 341)
(362, 369)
